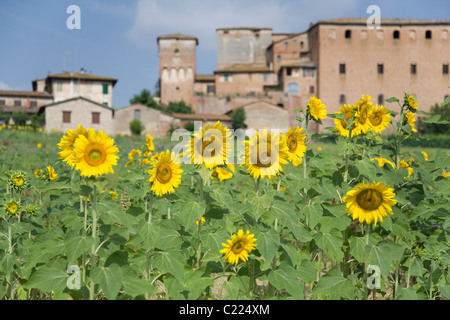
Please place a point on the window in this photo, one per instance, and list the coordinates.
(66, 116)
(211, 89)
(413, 68)
(289, 71)
(265, 76)
(33, 104)
(59, 86)
(286, 45)
(278, 58)
(396, 34)
(17, 103)
(342, 99)
(105, 88)
(137, 114)
(226, 77)
(95, 117)
(105, 103)
(428, 34)
(445, 68)
(302, 44)
(348, 34)
(2, 102)
(311, 89)
(380, 68)
(342, 68)
(45, 89)
(380, 99)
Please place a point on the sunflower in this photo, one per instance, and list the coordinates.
(12, 208)
(295, 141)
(51, 173)
(38, 173)
(95, 154)
(222, 173)
(239, 247)
(166, 175)
(446, 174)
(264, 154)
(66, 144)
(370, 202)
(149, 146)
(379, 119)
(204, 149)
(412, 104)
(316, 109)
(363, 114)
(382, 161)
(410, 119)
(18, 180)
(404, 164)
(341, 124)
(202, 220)
(114, 195)
(425, 155)
(133, 153)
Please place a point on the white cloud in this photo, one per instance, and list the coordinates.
(201, 18)
(5, 86)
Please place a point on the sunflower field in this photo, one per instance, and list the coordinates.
(88, 216)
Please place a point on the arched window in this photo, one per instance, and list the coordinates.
(396, 34)
(428, 34)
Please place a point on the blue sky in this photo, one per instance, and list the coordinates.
(118, 37)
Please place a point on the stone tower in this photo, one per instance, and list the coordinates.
(177, 57)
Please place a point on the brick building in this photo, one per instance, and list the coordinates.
(336, 60)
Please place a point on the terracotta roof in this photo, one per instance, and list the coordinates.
(79, 75)
(244, 28)
(244, 67)
(204, 77)
(363, 21)
(72, 99)
(36, 94)
(201, 116)
(177, 36)
(300, 64)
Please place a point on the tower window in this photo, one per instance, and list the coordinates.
(348, 34)
(342, 68)
(428, 34)
(413, 68)
(278, 58)
(289, 71)
(286, 45)
(137, 114)
(380, 68)
(380, 99)
(396, 34)
(105, 88)
(445, 68)
(311, 89)
(302, 44)
(342, 99)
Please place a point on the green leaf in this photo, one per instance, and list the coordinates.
(436, 118)
(205, 174)
(191, 211)
(445, 289)
(331, 243)
(149, 234)
(334, 285)
(7, 263)
(408, 294)
(168, 239)
(49, 277)
(313, 214)
(336, 210)
(357, 247)
(170, 261)
(306, 271)
(446, 102)
(76, 245)
(109, 279)
(134, 285)
(284, 278)
(392, 99)
(223, 197)
(196, 283)
(267, 244)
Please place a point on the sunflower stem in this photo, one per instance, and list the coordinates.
(94, 236)
(305, 172)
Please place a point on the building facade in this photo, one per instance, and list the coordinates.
(335, 60)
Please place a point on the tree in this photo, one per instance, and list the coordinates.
(136, 127)
(238, 118)
(145, 98)
(179, 107)
(20, 118)
(436, 128)
(158, 88)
